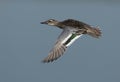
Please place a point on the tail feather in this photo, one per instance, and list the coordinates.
(94, 32)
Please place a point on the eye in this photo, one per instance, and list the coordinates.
(51, 20)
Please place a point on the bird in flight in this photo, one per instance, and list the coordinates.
(72, 30)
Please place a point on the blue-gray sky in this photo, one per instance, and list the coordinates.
(24, 42)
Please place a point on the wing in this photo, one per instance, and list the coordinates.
(64, 40)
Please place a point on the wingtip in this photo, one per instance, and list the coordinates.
(46, 61)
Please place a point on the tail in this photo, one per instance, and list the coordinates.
(94, 32)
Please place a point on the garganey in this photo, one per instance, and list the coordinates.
(72, 30)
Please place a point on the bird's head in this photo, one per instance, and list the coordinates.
(51, 22)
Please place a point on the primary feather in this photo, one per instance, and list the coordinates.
(72, 30)
(65, 39)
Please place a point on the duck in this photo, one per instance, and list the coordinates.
(72, 30)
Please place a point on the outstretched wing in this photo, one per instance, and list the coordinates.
(65, 39)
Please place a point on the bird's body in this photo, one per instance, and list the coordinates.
(72, 30)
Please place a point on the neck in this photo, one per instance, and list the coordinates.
(60, 25)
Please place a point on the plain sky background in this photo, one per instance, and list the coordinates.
(24, 42)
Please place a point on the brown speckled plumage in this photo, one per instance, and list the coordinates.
(74, 23)
(72, 29)
(93, 31)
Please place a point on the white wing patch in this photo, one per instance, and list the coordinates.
(66, 38)
(73, 40)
